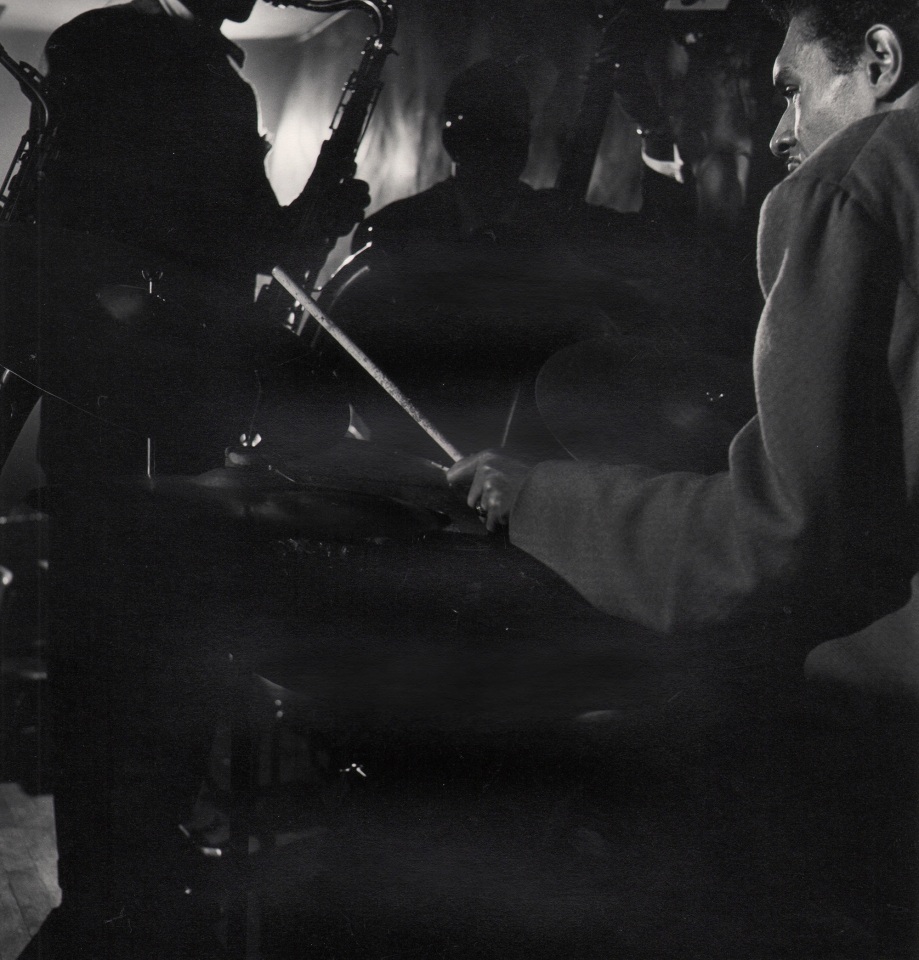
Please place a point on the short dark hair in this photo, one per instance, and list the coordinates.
(489, 90)
(840, 25)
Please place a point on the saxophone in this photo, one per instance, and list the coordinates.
(18, 193)
(336, 161)
(19, 204)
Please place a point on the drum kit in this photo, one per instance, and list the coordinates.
(387, 517)
(371, 593)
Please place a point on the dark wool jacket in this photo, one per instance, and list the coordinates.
(157, 148)
(814, 525)
(158, 142)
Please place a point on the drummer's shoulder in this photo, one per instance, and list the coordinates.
(870, 165)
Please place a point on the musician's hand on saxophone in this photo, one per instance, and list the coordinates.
(333, 215)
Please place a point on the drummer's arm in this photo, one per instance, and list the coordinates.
(811, 531)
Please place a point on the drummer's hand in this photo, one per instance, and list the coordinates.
(495, 481)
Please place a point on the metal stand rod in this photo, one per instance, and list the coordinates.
(242, 773)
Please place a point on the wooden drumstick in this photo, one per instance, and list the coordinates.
(332, 328)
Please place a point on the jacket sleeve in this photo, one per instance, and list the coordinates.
(810, 525)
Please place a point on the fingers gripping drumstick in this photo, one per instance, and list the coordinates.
(307, 302)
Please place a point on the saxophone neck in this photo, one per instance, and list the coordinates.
(336, 162)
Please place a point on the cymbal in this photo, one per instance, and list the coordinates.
(371, 467)
(635, 401)
(266, 500)
(438, 307)
(153, 348)
(51, 262)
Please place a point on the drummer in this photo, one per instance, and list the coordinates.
(811, 533)
(157, 146)
(812, 524)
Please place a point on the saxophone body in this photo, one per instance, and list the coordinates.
(19, 190)
(337, 157)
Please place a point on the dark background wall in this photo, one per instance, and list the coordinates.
(551, 42)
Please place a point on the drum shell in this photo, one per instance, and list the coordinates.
(438, 630)
(451, 632)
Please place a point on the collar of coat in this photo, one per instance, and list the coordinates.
(178, 11)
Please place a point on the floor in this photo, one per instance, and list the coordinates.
(28, 850)
(755, 823)
(551, 844)
(28, 858)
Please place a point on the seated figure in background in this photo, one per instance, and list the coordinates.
(486, 132)
(464, 290)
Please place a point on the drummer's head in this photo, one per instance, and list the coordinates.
(842, 60)
(487, 121)
(216, 11)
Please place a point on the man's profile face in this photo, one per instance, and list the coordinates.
(820, 101)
